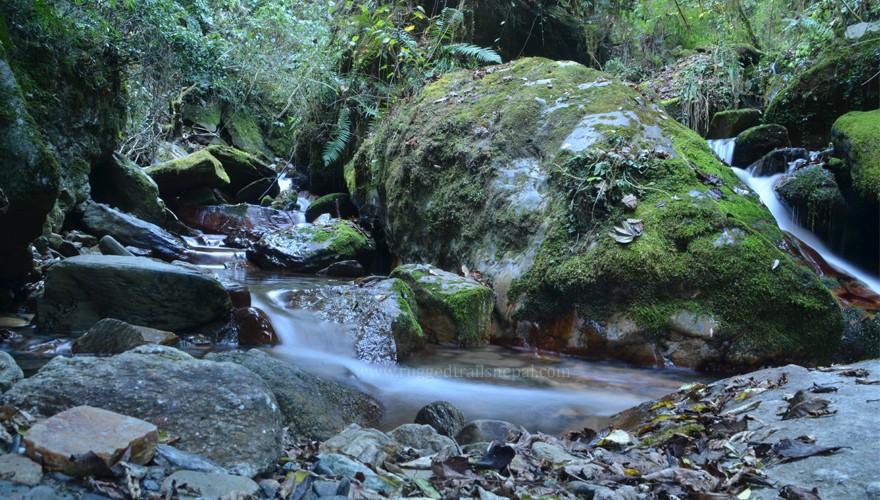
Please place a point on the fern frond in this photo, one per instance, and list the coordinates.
(481, 54)
(338, 139)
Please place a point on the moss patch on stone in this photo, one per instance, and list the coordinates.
(198, 169)
(730, 123)
(813, 194)
(856, 137)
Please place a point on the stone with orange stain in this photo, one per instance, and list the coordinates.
(56, 441)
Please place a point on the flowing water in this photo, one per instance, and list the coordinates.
(764, 188)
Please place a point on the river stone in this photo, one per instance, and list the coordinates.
(109, 246)
(243, 224)
(111, 336)
(124, 185)
(207, 485)
(754, 143)
(338, 205)
(423, 438)
(257, 190)
(814, 198)
(197, 169)
(170, 457)
(776, 161)
(486, 431)
(343, 269)
(82, 290)
(452, 309)
(442, 416)
(311, 406)
(20, 469)
(254, 327)
(55, 442)
(367, 446)
(10, 373)
(857, 141)
(340, 465)
(241, 167)
(102, 220)
(221, 411)
(730, 123)
(380, 313)
(310, 248)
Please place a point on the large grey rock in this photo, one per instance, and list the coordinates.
(423, 438)
(82, 290)
(381, 314)
(443, 416)
(311, 406)
(208, 486)
(29, 179)
(452, 309)
(10, 372)
(102, 220)
(221, 411)
(124, 185)
(312, 247)
(111, 336)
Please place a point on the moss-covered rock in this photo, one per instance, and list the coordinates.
(521, 174)
(754, 143)
(198, 169)
(776, 161)
(255, 191)
(840, 81)
(29, 179)
(732, 122)
(856, 138)
(124, 185)
(244, 132)
(242, 168)
(813, 195)
(310, 248)
(452, 309)
(338, 205)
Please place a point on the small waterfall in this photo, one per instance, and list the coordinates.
(724, 149)
(764, 187)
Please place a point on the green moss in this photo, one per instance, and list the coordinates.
(857, 134)
(407, 303)
(336, 204)
(199, 168)
(813, 193)
(732, 122)
(245, 133)
(657, 439)
(346, 240)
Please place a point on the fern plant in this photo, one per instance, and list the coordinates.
(339, 138)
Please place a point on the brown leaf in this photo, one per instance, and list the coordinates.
(804, 405)
(797, 493)
(455, 467)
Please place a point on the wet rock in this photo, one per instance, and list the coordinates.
(367, 446)
(310, 248)
(187, 484)
(814, 197)
(103, 220)
(254, 327)
(776, 161)
(311, 406)
(730, 123)
(197, 169)
(29, 179)
(814, 99)
(242, 168)
(124, 185)
(486, 431)
(82, 290)
(255, 191)
(855, 136)
(221, 411)
(10, 373)
(111, 336)
(452, 309)
(422, 438)
(754, 143)
(338, 205)
(343, 269)
(243, 224)
(109, 246)
(57, 441)
(20, 469)
(442, 416)
(380, 312)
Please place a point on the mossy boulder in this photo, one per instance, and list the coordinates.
(312, 247)
(521, 175)
(242, 167)
(338, 205)
(814, 197)
(856, 138)
(29, 179)
(776, 161)
(198, 169)
(452, 309)
(754, 143)
(732, 122)
(122, 184)
(244, 132)
(842, 80)
(255, 191)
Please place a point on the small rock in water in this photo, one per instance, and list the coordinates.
(443, 416)
(254, 327)
(85, 429)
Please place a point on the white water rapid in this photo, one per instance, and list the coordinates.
(764, 188)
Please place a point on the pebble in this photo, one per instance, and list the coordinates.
(20, 469)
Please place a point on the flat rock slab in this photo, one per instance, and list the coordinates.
(191, 484)
(20, 469)
(82, 290)
(111, 336)
(221, 411)
(83, 429)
